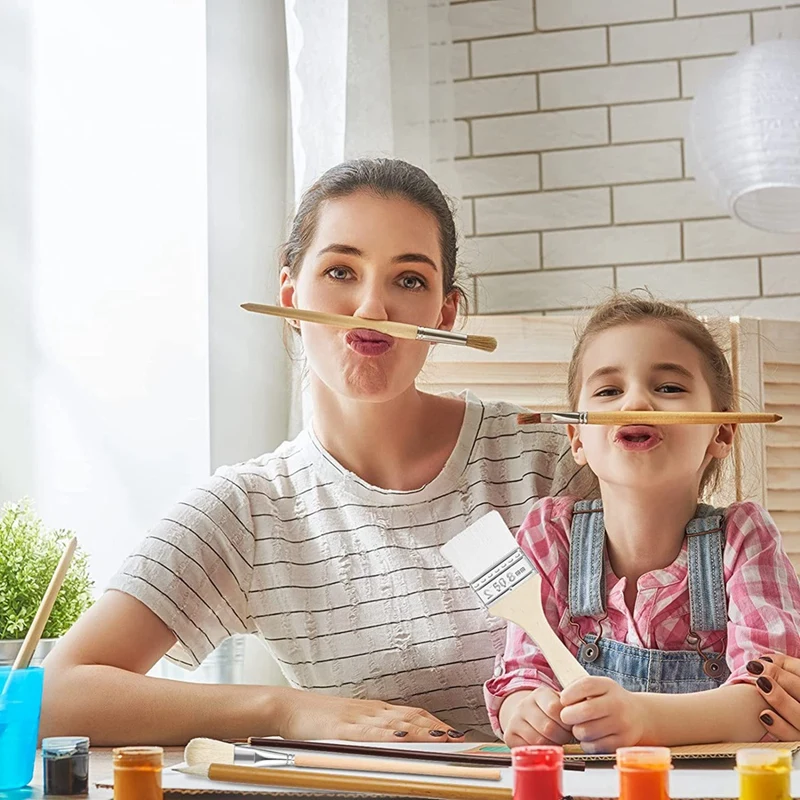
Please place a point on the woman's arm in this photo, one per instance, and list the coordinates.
(95, 683)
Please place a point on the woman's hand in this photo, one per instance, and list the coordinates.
(777, 678)
(602, 714)
(536, 719)
(307, 715)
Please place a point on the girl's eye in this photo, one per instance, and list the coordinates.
(338, 273)
(670, 388)
(608, 391)
(412, 282)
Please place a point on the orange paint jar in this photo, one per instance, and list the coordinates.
(644, 773)
(137, 773)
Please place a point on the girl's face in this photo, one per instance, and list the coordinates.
(646, 366)
(377, 258)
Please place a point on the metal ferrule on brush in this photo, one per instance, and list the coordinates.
(569, 417)
(245, 754)
(441, 337)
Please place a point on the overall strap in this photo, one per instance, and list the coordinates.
(705, 535)
(587, 560)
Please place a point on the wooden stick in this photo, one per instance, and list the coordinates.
(25, 653)
(646, 418)
(314, 761)
(333, 782)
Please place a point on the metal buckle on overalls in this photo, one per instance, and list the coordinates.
(712, 664)
(589, 651)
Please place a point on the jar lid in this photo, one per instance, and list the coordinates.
(764, 759)
(539, 757)
(65, 745)
(644, 758)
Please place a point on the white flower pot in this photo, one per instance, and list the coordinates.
(10, 647)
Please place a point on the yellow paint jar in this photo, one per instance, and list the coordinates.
(764, 774)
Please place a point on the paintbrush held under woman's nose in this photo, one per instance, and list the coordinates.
(646, 418)
(399, 330)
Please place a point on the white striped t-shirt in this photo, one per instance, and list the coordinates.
(343, 580)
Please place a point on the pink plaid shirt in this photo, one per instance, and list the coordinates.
(762, 589)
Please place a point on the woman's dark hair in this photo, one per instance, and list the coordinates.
(384, 177)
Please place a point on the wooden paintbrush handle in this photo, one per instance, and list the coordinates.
(313, 761)
(331, 782)
(676, 417)
(25, 653)
(399, 330)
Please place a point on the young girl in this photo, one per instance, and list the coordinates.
(659, 597)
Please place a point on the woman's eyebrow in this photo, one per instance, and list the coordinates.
(405, 258)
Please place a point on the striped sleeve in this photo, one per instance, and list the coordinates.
(193, 570)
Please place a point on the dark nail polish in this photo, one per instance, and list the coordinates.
(766, 719)
(765, 684)
(755, 667)
(767, 658)
(455, 734)
(436, 733)
(401, 733)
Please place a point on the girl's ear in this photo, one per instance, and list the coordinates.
(722, 443)
(576, 445)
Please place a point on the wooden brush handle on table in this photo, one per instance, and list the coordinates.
(313, 761)
(332, 782)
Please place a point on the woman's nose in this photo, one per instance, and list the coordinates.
(371, 304)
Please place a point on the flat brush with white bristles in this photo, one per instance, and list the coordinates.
(211, 751)
(399, 330)
(489, 559)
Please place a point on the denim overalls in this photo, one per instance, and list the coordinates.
(635, 668)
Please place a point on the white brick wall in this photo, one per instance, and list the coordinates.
(575, 176)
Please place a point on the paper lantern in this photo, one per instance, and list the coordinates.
(745, 133)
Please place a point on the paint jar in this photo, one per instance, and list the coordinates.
(644, 773)
(65, 765)
(137, 773)
(764, 774)
(537, 772)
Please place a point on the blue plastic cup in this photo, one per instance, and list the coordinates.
(20, 705)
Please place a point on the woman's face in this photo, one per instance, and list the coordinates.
(377, 258)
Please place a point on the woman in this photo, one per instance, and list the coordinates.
(777, 678)
(327, 548)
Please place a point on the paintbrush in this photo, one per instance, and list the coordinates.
(645, 418)
(399, 330)
(331, 782)
(25, 653)
(205, 751)
(454, 757)
(488, 558)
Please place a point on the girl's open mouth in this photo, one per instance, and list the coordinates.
(368, 343)
(638, 437)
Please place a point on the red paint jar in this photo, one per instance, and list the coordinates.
(537, 772)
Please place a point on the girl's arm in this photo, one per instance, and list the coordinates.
(727, 714)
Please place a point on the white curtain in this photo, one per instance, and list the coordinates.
(369, 78)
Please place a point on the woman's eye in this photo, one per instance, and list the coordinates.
(338, 273)
(608, 391)
(670, 388)
(412, 282)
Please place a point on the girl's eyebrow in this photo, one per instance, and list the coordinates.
(668, 366)
(405, 258)
(602, 372)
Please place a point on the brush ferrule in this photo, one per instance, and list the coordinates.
(441, 337)
(568, 417)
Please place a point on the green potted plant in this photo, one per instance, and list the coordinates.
(28, 557)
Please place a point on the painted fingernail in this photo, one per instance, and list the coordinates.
(755, 667)
(454, 734)
(401, 733)
(766, 719)
(765, 684)
(767, 658)
(436, 733)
